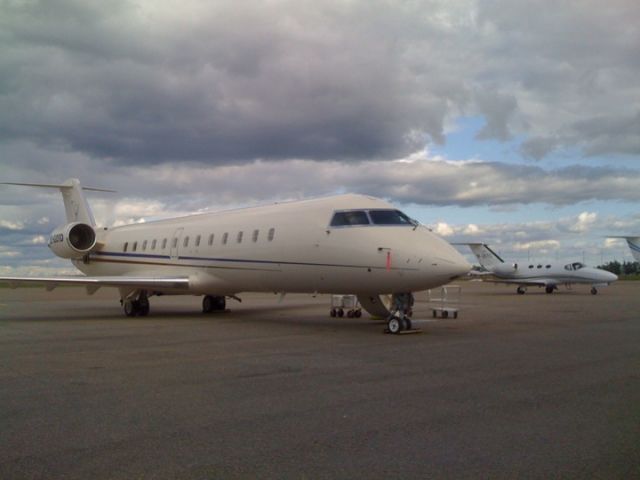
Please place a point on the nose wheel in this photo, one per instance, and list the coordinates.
(400, 317)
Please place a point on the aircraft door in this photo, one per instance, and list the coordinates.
(175, 243)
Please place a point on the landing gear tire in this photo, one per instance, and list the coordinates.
(340, 312)
(130, 308)
(394, 325)
(521, 290)
(143, 309)
(212, 303)
(594, 291)
(406, 324)
(332, 312)
(357, 313)
(549, 289)
(207, 304)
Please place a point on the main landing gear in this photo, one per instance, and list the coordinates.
(212, 303)
(594, 291)
(549, 288)
(401, 312)
(521, 290)
(138, 306)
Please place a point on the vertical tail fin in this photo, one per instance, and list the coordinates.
(487, 257)
(75, 204)
(634, 245)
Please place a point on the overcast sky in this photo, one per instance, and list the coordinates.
(514, 123)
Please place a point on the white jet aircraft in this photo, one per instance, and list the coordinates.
(634, 245)
(344, 244)
(539, 274)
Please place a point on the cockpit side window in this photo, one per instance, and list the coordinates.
(578, 266)
(349, 218)
(389, 217)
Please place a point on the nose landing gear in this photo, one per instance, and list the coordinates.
(401, 312)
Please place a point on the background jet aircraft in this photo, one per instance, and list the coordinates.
(634, 245)
(340, 244)
(539, 274)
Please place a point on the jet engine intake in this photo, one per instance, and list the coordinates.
(72, 240)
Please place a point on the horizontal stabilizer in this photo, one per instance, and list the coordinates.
(66, 184)
(75, 205)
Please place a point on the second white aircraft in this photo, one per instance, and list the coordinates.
(545, 275)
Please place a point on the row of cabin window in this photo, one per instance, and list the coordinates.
(185, 241)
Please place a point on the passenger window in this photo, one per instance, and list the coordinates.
(153, 244)
(164, 243)
(344, 219)
(225, 237)
(389, 217)
(185, 243)
(255, 236)
(135, 246)
(239, 239)
(144, 245)
(547, 266)
(198, 241)
(211, 239)
(272, 234)
(530, 266)
(539, 266)
(126, 245)
(175, 242)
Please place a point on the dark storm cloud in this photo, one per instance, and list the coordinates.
(271, 81)
(222, 82)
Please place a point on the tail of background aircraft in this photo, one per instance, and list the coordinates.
(634, 245)
(75, 204)
(487, 257)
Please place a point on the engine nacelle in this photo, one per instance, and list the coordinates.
(506, 268)
(72, 240)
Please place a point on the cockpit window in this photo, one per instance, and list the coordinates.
(348, 218)
(574, 266)
(389, 217)
(352, 217)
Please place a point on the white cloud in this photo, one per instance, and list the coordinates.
(584, 221)
(11, 225)
(543, 246)
(39, 240)
(443, 229)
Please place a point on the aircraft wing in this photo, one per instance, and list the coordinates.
(94, 283)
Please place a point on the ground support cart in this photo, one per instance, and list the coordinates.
(341, 304)
(444, 302)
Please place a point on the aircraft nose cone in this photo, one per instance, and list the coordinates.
(457, 264)
(611, 277)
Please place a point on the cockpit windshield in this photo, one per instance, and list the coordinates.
(574, 266)
(352, 217)
(348, 218)
(389, 217)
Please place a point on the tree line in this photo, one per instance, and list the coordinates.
(624, 268)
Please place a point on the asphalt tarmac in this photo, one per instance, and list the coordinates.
(533, 386)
